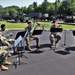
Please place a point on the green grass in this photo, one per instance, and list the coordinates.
(13, 25)
(64, 26)
(23, 25)
(67, 26)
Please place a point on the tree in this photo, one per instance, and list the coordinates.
(30, 9)
(50, 8)
(58, 0)
(14, 7)
(67, 7)
(23, 9)
(12, 11)
(4, 11)
(1, 9)
(38, 9)
(34, 5)
(73, 8)
(44, 7)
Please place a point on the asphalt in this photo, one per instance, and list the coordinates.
(45, 61)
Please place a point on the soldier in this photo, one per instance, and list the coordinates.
(3, 58)
(7, 34)
(55, 35)
(4, 52)
(30, 36)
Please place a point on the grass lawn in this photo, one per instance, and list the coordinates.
(23, 25)
(13, 25)
(64, 26)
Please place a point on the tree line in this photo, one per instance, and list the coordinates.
(66, 7)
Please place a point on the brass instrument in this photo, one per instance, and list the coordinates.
(33, 27)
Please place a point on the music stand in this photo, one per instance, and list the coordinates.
(21, 34)
(19, 38)
(56, 30)
(65, 40)
(37, 32)
(16, 43)
(73, 32)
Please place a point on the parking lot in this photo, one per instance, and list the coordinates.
(45, 61)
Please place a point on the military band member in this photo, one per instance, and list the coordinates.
(3, 58)
(6, 34)
(31, 37)
(54, 35)
(4, 52)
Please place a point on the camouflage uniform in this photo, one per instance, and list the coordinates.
(3, 58)
(31, 37)
(7, 41)
(3, 54)
(4, 51)
(55, 35)
(7, 34)
(4, 43)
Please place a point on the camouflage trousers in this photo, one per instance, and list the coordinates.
(3, 54)
(30, 38)
(53, 37)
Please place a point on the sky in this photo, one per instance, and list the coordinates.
(21, 3)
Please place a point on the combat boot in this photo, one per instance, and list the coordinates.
(7, 63)
(9, 55)
(3, 68)
(28, 48)
(52, 46)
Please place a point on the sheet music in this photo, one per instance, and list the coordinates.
(18, 40)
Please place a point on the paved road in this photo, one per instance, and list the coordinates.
(46, 61)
